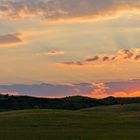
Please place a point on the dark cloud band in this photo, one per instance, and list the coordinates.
(66, 9)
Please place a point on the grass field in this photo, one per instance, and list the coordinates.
(100, 123)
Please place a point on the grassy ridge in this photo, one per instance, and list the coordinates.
(99, 123)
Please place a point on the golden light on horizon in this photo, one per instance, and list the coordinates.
(73, 42)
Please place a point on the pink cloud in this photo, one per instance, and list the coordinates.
(117, 89)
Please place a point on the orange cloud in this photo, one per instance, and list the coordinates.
(101, 94)
(103, 14)
(10, 39)
(55, 53)
(117, 89)
(122, 55)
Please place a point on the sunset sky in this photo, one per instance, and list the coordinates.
(56, 48)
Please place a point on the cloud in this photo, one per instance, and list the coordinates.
(105, 58)
(130, 88)
(10, 39)
(125, 54)
(78, 63)
(99, 85)
(137, 57)
(14, 9)
(122, 55)
(74, 10)
(44, 90)
(51, 53)
(9, 93)
(95, 58)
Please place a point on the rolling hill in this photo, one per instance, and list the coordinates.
(115, 122)
(71, 103)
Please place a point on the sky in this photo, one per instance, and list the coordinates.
(56, 48)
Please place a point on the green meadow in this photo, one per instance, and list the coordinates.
(99, 123)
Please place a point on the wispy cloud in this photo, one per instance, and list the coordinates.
(51, 53)
(73, 63)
